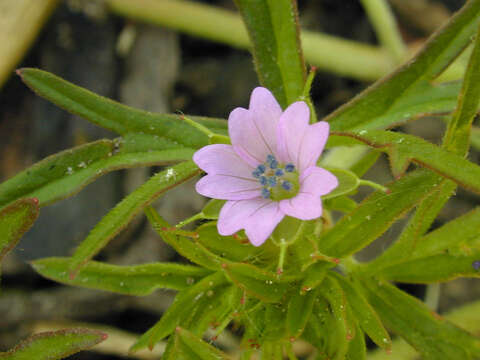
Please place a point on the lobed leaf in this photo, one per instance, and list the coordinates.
(274, 33)
(121, 215)
(431, 335)
(379, 105)
(136, 280)
(54, 345)
(15, 220)
(117, 117)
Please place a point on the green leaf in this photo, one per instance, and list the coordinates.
(115, 116)
(431, 335)
(404, 148)
(299, 310)
(273, 29)
(212, 209)
(188, 343)
(366, 316)
(54, 345)
(357, 348)
(179, 310)
(376, 213)
(439, 256)
(15, 220)
(49, 179)
(411, 80)
(118, 218)
(347, 183)
(457, 137)
(341, 203)
(136, 280)
(259, 283)
(192, 250)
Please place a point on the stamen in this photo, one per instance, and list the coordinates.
(256, 173)
(279, 172)
(265, 193)
(273, 164)
(272, 181)
(289, 167)
(261, 168)
(270, 158)
(263, 180)
(286, 185)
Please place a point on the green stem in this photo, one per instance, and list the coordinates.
(330, 53)
(213, 137)
(363, 182)
(432, 296)
(189, 220)
(385, 26)
(283, 245)
(306, 95)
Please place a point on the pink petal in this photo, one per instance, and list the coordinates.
(227, 187)
(253, 132)
(317, 181)
(307, 205)
(304, 206)
(222, 159)
(258, 217)
(300, 143)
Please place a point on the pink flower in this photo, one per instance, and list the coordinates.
(270, 169)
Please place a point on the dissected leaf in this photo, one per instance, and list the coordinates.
(188, 343)
(121, 215)
(54, 345)
(131, 280)
(273, 29)
(15, 220)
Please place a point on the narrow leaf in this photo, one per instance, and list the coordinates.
(115, 116)
(299, 310)
(404, 148)
(376, 213)
(136, 280)
(118, 218)
(430, 334)
(365, 110)
(179, 310)
(54, 345)
(198, 347)
(273, 29)
(15, 220)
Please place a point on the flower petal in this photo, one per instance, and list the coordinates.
(258, 217)
(304, 206)
(222, 159)
(307, 205)
(317, 181)
(299, 142)
(292, 128)
(253, 132)
(227, 187)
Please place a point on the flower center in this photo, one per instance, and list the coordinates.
(278, 181)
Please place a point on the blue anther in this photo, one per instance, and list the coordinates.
(476, 265)
(256, 173)
(263, 180)
(270, 158)
(289, 167)
(265, 193)
(279, 172)
(272, 181)
(286, 185)
(261, 168)
(273, 164)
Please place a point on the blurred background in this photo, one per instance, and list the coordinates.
(160, 70)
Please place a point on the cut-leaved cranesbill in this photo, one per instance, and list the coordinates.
(270, 169)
